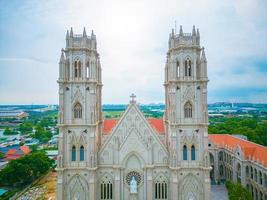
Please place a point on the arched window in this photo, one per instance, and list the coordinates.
(77, 69)
(161, 189)
(178, 69)
(106, 190)
(220, 156)
(185, 152)
(247, 171)
(251, 172)
(188, 67)
(188, 110)
(256, 176)
(73, 153)
(260, 177)
(78, 111)
(221, 170)
(193, 152)
(87, 70)
(265, 180)
(82, 153)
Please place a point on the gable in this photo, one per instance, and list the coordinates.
(130, 133)
(156, 123)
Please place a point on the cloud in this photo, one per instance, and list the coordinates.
(132, 41)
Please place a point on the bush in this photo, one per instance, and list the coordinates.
(237, 192)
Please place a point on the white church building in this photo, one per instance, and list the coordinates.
(134, 157)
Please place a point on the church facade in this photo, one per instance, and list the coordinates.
(133, 157)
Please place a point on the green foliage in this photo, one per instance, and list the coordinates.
(254, 128)
(8, 131)
(41, 134)
(25, 127)
(24, 170)
(2, 155)
(237, 192)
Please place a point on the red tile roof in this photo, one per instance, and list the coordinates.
(251, 150)
(157, 125)
(108, 125)
(12, 154)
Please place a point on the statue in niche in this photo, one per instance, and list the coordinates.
(133, 186)
(77, 196)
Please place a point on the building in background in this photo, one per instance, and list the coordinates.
(233, 158)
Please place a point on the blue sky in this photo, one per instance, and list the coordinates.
(132, 40)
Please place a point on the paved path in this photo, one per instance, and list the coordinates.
(218, 192)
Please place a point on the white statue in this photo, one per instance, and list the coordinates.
(133, 186)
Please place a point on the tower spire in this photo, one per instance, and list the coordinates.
(67, 35)
(194, 31)
(84, 32)
(198, 33)
(203, 55)
(71, 32)
(62, 57)
(181, 31)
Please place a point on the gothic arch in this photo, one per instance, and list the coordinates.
(106, 187)
(191, 188)
(77, 68)
(77, 110)
(188, 66)
(77, 188)
(133, 156)
(161, 187)
(188, 109)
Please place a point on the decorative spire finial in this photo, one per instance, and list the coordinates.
(62, 57)
(71, 32)
(132, 100)
(198, 33)
(84, 32)
(203, 55)
(194, 31)
(181, 31)
(67, 35)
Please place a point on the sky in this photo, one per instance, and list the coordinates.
(132, 38)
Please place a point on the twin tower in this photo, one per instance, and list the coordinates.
(93, 164)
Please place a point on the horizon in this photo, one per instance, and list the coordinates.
(132, 42)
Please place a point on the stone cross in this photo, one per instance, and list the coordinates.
(133, 96)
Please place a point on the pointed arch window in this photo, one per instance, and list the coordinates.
(73, 153)
(77, 111)
(178, 69)
(82, 153)
(87, 70)
(161, 189)
(184, 152)
(188, 67)
(193, 152)
(77, 69)
(188, 110)
(106, 190)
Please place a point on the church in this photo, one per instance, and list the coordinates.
(133, 157)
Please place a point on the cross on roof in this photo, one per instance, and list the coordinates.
(133, 96)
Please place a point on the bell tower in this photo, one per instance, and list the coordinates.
(80, 116)
(186, 115)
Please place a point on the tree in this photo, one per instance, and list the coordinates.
(8, 131)
(2, 155)
(25, 127)
(237, 192)
(41, 134)
(24, 170)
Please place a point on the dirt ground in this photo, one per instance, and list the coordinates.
(49, 182)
